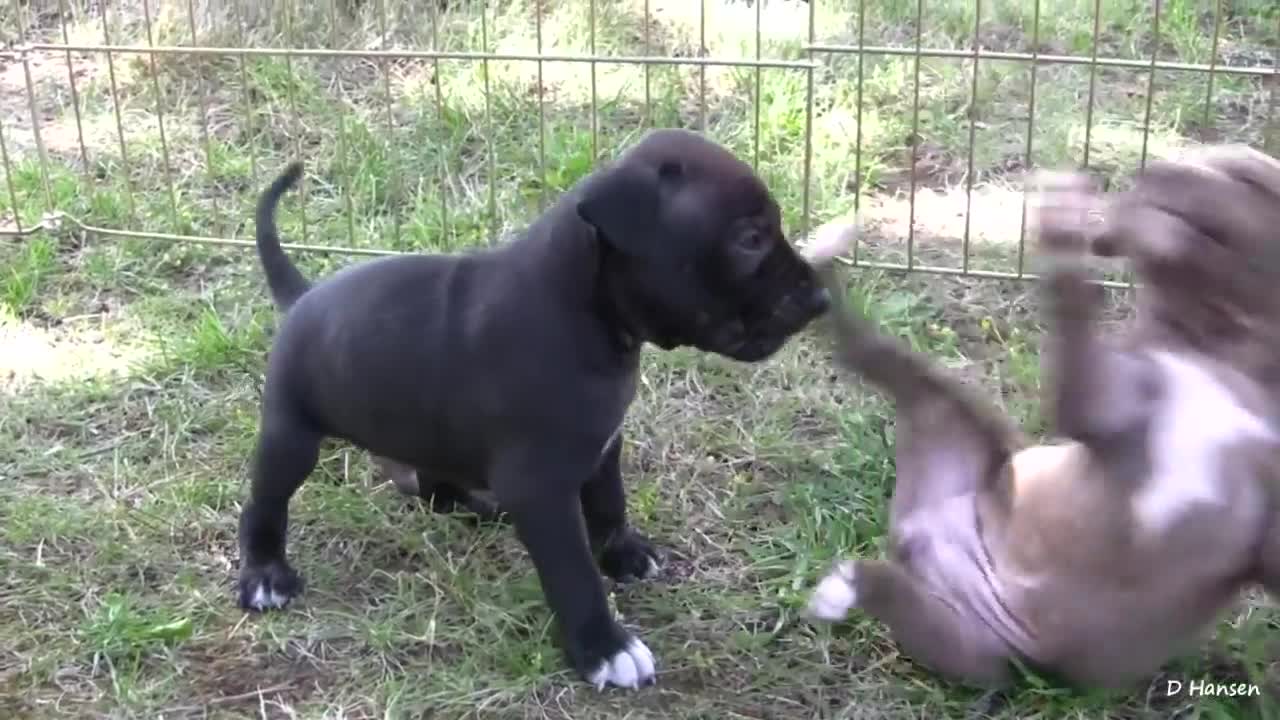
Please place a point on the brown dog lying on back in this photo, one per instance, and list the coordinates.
(1098, 558)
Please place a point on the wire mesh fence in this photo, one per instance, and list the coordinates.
(63, 32)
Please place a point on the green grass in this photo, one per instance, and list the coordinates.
(130, 369)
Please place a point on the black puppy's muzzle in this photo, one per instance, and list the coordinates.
(819, 302)
(798, 309)
(766, 330)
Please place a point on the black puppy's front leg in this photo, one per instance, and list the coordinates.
(625, 554)
(541, 497)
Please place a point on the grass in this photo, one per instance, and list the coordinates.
(130, 368)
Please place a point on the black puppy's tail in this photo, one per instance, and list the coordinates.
(284, 280)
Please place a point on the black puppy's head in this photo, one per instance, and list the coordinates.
(695, 247)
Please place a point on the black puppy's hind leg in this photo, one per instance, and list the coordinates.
(286, 453)
(625, 555)
(446, 497)
(926, 628)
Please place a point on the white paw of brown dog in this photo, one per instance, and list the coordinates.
(836, 594)
(830, 241)
(631, 667)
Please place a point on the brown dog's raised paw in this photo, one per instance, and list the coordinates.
(830, 241)
(1063, 211)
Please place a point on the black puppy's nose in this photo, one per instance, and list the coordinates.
(820, 301)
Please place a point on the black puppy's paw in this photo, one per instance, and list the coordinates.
(485, 510)
(605, 654)
(628, 556)
(269, 586)
(630, 667)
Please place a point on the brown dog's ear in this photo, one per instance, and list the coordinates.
(623, 202)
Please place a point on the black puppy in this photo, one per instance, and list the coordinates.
(510, 370)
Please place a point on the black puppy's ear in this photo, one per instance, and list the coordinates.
(623, 203)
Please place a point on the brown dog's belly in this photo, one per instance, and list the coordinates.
(942, 545)
(997, 560)
(1102, 603)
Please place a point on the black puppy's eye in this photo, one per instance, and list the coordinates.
(752, 241)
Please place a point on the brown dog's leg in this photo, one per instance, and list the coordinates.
(1271, 560)
(1094, 390)
(948, 441)
(927, 629)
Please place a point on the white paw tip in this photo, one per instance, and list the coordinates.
(653, 568)
(830, 240)
(833, 597)
(630, 667)
(265, 598)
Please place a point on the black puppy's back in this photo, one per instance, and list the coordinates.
(463, 339)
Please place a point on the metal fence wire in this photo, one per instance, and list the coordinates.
(27, 48)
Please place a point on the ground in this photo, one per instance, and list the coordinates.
(130, 367)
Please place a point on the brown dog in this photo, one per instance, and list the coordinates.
(1100, 557)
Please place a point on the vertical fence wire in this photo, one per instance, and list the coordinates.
(36, 135)
(1031, 133)
(8, 177)
(296, 117)
(973, 127)
(806, 186)
(915, 139)
(1272, 133)
(1093, 80)
(395, 181)
(857, 140)
(343, 149)
(1130, 277)
(542, 112)
(164, 140)
(204, 116)
(242, 22)
(648, 98)
(1151, 85)
(1213, 62)
(595, 120)
(445, 185)
(8, 173)
(488, 124)
(75, 92)
(702, 69)
(755, 109)
(115, 107)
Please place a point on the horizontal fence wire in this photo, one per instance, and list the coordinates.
(56, 218)
(476, 56)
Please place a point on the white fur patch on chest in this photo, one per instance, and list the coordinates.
(1196, 419)
(612, 439)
